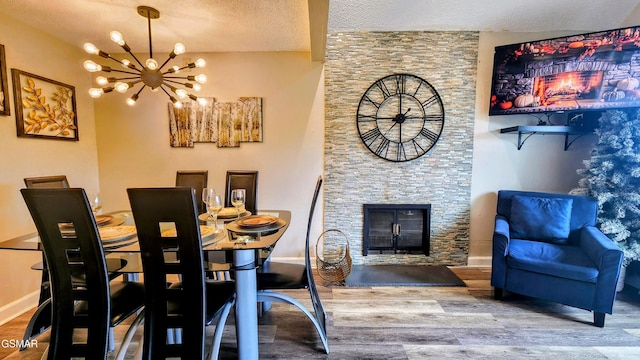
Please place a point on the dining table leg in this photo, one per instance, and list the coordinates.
(246, 300)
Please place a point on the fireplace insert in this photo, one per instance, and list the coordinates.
(396, 228)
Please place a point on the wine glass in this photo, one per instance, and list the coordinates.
(207, 196)
(96, 202)
(213, 208)
(237, 199)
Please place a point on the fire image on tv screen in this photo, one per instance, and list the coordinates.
(588, 72)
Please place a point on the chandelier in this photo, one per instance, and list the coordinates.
(150, 74)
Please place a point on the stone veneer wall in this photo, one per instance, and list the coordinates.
(442, 177)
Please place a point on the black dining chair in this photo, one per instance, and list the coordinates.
(82, 296)
(171, 247)
(41, 319)
(240, 179)
(285, 276)
(197, 179)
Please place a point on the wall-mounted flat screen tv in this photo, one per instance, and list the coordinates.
(588, 72)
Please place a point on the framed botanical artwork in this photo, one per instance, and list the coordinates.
(45, 108)
(4, 93)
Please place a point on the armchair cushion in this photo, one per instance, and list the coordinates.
(562, 261)
(528, 213)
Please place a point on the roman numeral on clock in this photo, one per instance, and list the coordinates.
(383, 147)
(433, 137)
(370, 136)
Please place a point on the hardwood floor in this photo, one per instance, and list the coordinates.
(426, 323)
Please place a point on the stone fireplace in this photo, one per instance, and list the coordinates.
(442, 178)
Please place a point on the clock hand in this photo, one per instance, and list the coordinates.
(400, 118)
(386, 132)
(395, 118)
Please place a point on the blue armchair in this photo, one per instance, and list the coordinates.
(546, 246)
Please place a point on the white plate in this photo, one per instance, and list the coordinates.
(205, 231)
(256, 221)
(234, 227)
(116, 233)
(234, 215)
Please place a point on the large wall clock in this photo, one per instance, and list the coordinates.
(400, 117)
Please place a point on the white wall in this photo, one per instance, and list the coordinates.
(36, 52)
(134, 149)
(541, 164)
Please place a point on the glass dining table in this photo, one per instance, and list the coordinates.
(247, 244)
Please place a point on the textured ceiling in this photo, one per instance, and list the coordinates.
(202, 25)
(482, 15)
(284, 25)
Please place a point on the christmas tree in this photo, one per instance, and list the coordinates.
(612, 176)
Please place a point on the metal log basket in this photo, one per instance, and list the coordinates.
(333, 258)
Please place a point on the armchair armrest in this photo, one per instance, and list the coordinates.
(501, 236)
(500, 250)
(602, 250)
(608, 258)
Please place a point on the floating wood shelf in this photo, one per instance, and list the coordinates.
(570, 133)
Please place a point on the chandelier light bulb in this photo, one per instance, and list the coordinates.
(121, 87)
(200, 63)
(179, 48)
(201, 79)
(125, 62)
(91, 66)
(91, 49)
(196, 87)
(182, 93)
(151, 64)
(102, 81)
(132, 100)
(202, 101)
(95, 92)
(176, 68)
(117, 38)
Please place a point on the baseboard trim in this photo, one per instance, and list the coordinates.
(473, 261)
(479, 261)
(18, 307)
(291, 260)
